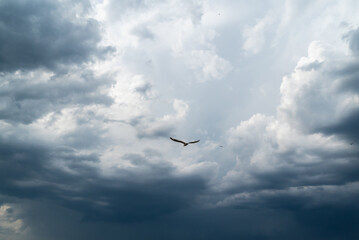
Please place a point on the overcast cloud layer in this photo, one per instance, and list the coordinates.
(91, 91)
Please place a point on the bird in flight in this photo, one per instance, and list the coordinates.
(184, 143)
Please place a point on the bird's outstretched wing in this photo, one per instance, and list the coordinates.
(194, 142)
(176, 140)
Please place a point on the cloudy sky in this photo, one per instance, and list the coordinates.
(91, 91)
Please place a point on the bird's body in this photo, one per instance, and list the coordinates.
(184, 143)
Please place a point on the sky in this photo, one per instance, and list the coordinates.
(91, 91)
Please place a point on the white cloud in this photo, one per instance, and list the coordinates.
(255, 35)
(207, 65)
(312, 97)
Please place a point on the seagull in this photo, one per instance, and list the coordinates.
(184, 143)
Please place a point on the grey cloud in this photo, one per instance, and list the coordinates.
(324, 210)
(348, 75)
(353, 40)
(143, 32)
(141, 160)
(67, 178)
(298, 160)
(219, 223)
(314, 197)
(149, 127)
(348, 127)
(197, 11)
(160, 131)
(139, 202)
(315, 65)
(144, 89)
(313, 212)
(296, 169)
(89, 132)
(85, 137)
(41, 33)
(26, 100)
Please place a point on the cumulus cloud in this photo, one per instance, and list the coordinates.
(321, 98)
(303, 153)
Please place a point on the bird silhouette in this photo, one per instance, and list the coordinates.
(184, 143)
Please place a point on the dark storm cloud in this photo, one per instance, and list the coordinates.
(218, 223)
(61, 175)
(140, 201)
(27, 171)
(15, 156)
(26, 100)
(309, 212)
(44, 34)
